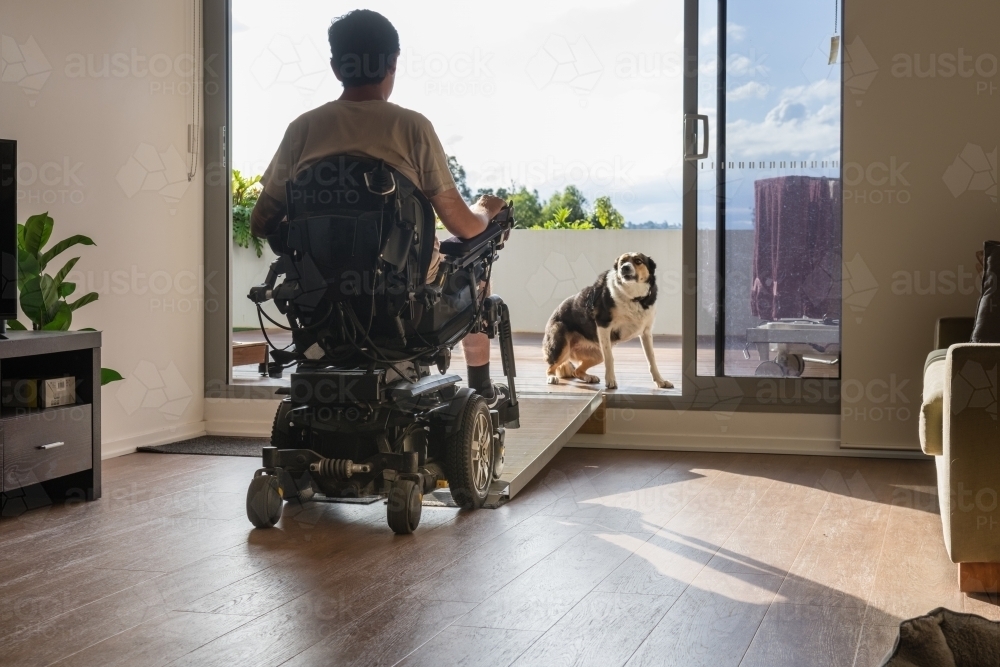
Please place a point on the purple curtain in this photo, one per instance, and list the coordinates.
(797, 246)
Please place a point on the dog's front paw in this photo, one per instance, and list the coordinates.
(611, 382)
(589, 379)
(552, 379)
(664, 384)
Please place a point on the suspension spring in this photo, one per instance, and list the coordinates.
(339, 468)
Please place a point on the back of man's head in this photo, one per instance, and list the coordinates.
(363, 47)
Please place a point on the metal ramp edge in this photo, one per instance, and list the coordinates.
(530, 452)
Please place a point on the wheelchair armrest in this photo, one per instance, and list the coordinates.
(458, 249)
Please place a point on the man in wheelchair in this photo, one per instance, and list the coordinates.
(373, 301)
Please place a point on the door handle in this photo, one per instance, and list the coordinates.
(691, 136)
(51, 445)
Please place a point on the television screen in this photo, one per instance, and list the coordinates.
(8, 229)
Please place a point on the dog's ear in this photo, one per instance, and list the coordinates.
(618, 260)
(650, 263)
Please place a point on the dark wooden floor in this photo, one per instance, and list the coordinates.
(607, 558)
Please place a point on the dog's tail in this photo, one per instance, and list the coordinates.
(554, 343)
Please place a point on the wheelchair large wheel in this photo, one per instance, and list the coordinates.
(263, 501)
(470, 455)
(279, 436)
(404, 506)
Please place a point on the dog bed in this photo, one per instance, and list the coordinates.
(945, 638)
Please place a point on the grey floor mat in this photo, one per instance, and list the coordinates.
(213, 445)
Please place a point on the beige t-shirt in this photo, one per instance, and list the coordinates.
(375, 129)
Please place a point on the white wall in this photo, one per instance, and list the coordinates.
(83, 135)
(536, 271)
(915, 208)
(539, 268)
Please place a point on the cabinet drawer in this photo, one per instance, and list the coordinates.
(43, 445)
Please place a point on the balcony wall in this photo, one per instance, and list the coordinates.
(540, 268)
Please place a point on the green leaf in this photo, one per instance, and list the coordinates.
(65, 289)
(27, 267)
(87, 329)
(61, 320)
(14, 325)
(108, 376)
(37, 230)
(20, 235)
(76, 239)
(64, 271)
(83, 300)
(39, 299)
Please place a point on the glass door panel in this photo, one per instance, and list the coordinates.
(769, 203)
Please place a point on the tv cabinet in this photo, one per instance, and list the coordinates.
(51, 455)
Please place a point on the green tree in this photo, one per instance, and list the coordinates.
(458, 174)
(605, 215)
(571, 198)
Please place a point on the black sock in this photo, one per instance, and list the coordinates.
(479, 377)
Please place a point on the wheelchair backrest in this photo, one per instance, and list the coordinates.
(360, 221)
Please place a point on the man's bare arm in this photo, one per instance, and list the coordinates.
(267, 215)
(462, 220)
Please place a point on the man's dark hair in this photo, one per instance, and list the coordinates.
(363, 46)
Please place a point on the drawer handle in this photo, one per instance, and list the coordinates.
(51, 445)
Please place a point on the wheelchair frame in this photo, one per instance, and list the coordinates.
(360, 421)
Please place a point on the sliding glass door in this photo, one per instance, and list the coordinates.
(762, 193)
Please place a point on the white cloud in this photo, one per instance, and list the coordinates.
(734, 31)
(787, 129)
(749, 90)
(821, 90)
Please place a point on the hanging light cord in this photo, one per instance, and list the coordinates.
(194, 138)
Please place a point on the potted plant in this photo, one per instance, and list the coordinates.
(246, 191)
(43, 297)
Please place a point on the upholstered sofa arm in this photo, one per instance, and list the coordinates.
(969, 467)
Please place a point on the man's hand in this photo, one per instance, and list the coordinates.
(459, 218)
(490, 205)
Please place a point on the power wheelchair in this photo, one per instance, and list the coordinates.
(364, 416)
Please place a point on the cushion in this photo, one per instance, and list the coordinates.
(987, 328)
(932, 405)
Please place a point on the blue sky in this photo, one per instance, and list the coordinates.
(546, 94)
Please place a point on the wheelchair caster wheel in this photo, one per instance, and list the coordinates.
(263, 501)
(403, 508)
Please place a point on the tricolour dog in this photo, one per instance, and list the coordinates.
(618, 307)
